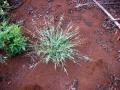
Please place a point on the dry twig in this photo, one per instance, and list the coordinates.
(107, 13)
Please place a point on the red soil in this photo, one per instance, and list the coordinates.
(99, 44)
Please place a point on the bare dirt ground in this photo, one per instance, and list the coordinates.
(101, 45)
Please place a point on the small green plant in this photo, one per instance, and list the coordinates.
(4, 8)
(11, 39)
(55, 44)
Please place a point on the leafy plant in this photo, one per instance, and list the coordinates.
(4, 8)
(55, 44)
(11, 39)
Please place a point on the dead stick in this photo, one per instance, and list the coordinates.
(117, 19)
(109, 15)
(92, 3)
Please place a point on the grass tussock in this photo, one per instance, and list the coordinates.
(57, 44)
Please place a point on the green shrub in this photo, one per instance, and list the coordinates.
(55, 44)
(4, 8)
(11, 39)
